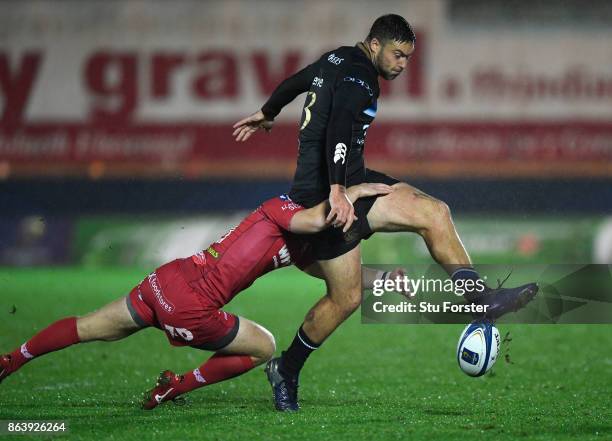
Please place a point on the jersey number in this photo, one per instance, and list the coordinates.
(185, 334)
(313, 98)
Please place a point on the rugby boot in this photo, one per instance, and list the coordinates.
(501, 301)
(5, 366)
(165, 390)
(284, 390)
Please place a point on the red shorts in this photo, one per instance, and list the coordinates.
(165, 299)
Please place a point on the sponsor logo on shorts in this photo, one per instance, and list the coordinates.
(157, 292)
(317, 82)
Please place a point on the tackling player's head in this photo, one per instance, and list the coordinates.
(391, 43)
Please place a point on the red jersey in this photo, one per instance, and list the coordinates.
(259, 244)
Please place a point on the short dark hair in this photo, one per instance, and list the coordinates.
(391, 27)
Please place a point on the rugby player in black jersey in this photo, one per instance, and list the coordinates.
(341, 103)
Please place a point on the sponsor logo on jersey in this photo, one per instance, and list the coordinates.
(340, 153)
(360, 82)
(284, 197)
(291, 206)
(317, 82)
(333, 59)
(213, 252)
(157, 292)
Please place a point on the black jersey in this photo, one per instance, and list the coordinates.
(339, 107)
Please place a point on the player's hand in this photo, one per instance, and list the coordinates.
(244, 128)
(368, 189)
(342, 211)
(400, 273)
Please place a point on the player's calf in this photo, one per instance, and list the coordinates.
(58, 335)
(111, 322)
(217, 368)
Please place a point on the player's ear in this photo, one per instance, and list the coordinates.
(375, 45)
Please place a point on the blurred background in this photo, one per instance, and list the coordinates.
(115, 123)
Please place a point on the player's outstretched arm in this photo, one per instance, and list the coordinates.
(313, 220)
(244, 128)
(282, 95)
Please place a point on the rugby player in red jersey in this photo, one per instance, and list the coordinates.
(184, 298)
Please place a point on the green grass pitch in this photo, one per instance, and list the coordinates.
(366, 382)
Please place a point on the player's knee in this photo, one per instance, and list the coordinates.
(436, 217)
(269, 349)
(443, 211)
(265, 350)
(86, 329)
(441, 215)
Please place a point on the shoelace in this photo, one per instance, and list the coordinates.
(501, 283)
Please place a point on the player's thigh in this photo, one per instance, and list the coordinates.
(343, 276)
(405, 209)
(251, 339)
(111, 322)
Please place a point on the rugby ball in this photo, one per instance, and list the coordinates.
(478, 348)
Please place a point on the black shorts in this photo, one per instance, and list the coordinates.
(332, 242)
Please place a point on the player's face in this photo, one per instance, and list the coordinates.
(392, 58)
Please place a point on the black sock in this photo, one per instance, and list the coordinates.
(295, 356)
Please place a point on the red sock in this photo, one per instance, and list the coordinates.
(217, 368)
(57, 336)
